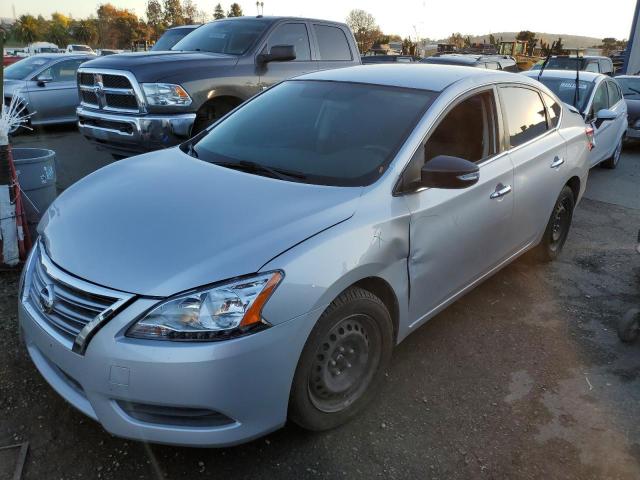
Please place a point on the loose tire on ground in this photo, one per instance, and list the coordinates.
(343, 361)
(557, 229)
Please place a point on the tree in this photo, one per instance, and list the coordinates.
(58, 29)
(364, 29)
(235, 11)
(218, 13)
(189, 11)
(85, 31)
(26, 29)
(173, 13)
(492, 39)
(529, 37)
(155, 18)
(456, 39)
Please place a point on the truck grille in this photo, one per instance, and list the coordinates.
(108, 91)
(65, 307)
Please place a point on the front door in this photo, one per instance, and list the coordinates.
(604, 131)
(295, 34)
(457, 236)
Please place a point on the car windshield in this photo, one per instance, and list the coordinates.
(170, 38)
(233, 37)
(322, 132)
(24, 68)
(81, 48)
(630, 87)
(566, 88)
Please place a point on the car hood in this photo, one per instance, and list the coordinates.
(165, 222)
(155, 66)
(11, 85)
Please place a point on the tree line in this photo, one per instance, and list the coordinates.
(113, 27)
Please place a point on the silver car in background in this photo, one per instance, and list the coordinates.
(264, 270)
(46, 85)
(600, 102)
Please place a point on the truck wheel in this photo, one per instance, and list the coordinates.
(342, 362)
(557, 228)
(612, 161)
(629, 326)
(211, 112)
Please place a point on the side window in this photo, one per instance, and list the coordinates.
(525, 112)
(592, 67)
(614, 94)
(64, 71)
(332, 43)
(492, 65)
(600, 99)
(606, 66)
(553, 110)
(476, 141)
(292, 34)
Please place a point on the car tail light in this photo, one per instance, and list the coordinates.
(589, 132)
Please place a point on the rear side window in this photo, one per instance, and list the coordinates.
(292, 34)
(600, 99)
(592, 67)
(553, 110)
(525, 112)
(492, 65)
(606, 66)
(332, 43)
(614, 93)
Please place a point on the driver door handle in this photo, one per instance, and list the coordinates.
(557, 162)
(500, 191)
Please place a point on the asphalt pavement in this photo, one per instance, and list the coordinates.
(522, 378)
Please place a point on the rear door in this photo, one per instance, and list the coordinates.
(537, 152)
(333, 49)
(290, 33)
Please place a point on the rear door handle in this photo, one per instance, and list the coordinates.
(557, 162)
(500, 191)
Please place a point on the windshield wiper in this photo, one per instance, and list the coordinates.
(258, 168)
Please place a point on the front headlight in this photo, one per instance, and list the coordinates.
(215, 313)
(165, 94)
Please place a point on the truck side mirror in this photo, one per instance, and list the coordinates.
(278, 53)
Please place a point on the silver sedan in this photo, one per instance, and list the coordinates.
(264, 270)
(46, 86)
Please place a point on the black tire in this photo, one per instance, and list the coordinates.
(208, 114)
(629, 326)
(612, 161)
(354, 338)
(558, 227)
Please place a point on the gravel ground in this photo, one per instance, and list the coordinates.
(522, 378)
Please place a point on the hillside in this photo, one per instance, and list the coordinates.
(569, 41)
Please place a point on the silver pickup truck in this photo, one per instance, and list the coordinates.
(137, 102)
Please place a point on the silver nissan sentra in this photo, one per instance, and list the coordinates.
(264, 270)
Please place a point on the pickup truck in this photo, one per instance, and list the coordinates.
(138, 102)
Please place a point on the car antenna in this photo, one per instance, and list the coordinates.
(546, 60)
(576, 94)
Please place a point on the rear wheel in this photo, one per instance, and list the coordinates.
(342, 362)
(612, 162)
(557, 228)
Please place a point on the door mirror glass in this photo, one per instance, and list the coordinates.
(279, 53)
(44, 78)
(606, 114)
(449, 172)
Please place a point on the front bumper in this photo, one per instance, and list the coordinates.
(238, 389)
(125, 134)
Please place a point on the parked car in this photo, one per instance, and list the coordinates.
(491, 62)
(36, 48)
(108, 51)
(631, 92)
(600, 103)
(265, 269)
(46, 86)
(368, 59)
(133, 103)
(76, 48)
(588, 63)
(172, 36)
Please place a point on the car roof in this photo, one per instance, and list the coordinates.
(421, 76)
(456, 57)
(180, 27)
(566, 74)
(277, 18)
(627, 76)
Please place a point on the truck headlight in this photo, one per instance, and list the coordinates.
(165, 94)
(215, 313)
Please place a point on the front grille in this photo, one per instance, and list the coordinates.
(121, 101)
(111, 125)
(72, 307)
(175, 416)
(86, 79)
(115, 81)
(108, 91)
(89, 97)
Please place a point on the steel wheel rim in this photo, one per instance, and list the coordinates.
(345, 363)
(560, 225)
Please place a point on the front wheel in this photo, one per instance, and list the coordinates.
(612, 162)
(557, 228)
(342, 362)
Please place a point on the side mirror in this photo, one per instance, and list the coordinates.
(606, 114)
(44, 79)
(278, 53)
(449, 172)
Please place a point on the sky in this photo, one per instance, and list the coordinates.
(423, 18)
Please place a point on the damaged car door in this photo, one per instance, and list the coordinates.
(459, 235)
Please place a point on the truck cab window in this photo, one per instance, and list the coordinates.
(292, 34)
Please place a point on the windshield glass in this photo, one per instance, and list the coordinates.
(565, 89)
(170, 38)
(80, 48)
(24, 68)
(233, 37)
(328, 133)
(561, 63)
(630, 87)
